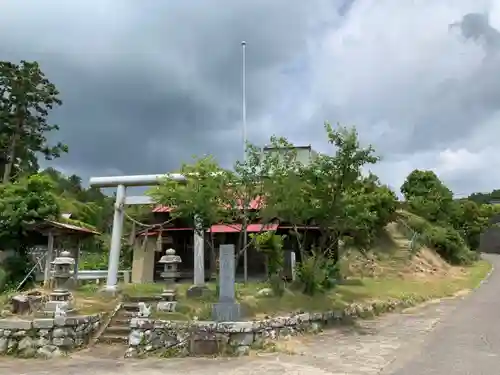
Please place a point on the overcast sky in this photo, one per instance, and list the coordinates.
(147, 84)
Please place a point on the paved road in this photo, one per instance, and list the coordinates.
(459, 336)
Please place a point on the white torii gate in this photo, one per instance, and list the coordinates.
(121, 183)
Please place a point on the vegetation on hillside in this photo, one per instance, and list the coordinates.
(331, 193)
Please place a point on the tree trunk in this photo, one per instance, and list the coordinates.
(10, 160)
(12, 152)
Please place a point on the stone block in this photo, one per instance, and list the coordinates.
(236, 327)
(226, 312)
(241, 339)
(167, 306)
(15, 324)
(64, 342)
(204, 344)
(43, 323)
(197, 291)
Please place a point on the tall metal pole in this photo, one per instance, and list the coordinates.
(244, 115)
(244, 98)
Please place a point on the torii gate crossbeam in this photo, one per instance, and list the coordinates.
(121, 183)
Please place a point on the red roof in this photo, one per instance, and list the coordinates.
(255, 204)
(222, 228)
(236, 228)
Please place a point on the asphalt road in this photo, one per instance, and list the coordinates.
(467, 341)
(452, 337)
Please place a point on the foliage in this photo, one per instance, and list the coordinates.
(330, 192)
(427, 196)
(23, 204)
(200, 196)
(271, 245)
(317, 273)
(26, 97)
(444, 239)
(452, 227)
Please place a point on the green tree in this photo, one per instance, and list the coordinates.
(427, 196)
(23, 204)
(26, 97)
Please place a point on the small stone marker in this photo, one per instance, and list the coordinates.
(144, 310)
(20, 305)
(293, 265)
(227, 309)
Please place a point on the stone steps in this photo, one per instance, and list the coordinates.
(120, 330)
(119, 327)
(106, 338)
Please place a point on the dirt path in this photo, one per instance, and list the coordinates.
(435, 339)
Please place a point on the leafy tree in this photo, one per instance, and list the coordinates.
(213, 195)
(26, 97)
(271, 245)
(333, 184)
(427, 196)
(450, 227)
(23, 204)
(199, 201)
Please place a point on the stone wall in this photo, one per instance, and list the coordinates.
(46, 338)
(174, 338)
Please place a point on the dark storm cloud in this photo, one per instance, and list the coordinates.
(146, 85)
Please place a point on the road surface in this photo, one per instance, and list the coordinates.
(456, 336)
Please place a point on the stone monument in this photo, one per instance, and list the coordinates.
(170, 272)
(60, 297)
(227, 309)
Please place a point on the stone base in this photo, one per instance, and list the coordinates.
(226, 312)
(51, 306)
(166, 306)
(110, 291)
(197, 291)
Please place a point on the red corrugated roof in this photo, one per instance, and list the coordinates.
(162, 209)
(255, 204)
(235, 228)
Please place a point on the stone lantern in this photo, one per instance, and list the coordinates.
(170, 272)
(60, 298)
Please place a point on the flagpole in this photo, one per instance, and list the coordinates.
(244, 115)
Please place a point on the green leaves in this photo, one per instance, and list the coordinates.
(26, 98)
(203, 195)
(24, 203)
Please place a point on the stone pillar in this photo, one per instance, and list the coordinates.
(199, 254)
(199, 288)
(227, 309)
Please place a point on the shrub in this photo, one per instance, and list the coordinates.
(446, 241)
(317, 273)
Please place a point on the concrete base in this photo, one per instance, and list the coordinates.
(226, 312)
(51, 306)
(110, 291)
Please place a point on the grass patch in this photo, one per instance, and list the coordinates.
(356, 290)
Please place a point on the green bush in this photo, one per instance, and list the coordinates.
(317, 273)
(446, 241)
(3, 279)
